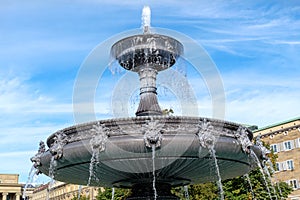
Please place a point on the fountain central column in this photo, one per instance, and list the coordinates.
(148, 100)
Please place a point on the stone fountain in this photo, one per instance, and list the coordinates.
(151, 152)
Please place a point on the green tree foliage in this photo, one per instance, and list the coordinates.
(120, 194)
(167, 111)
(203, 191)
(198, 191)
(234, 189)
(239, 188)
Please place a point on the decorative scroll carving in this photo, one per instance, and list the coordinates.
(242, 136)
(60, 140)
(99, 137)
(205, 134)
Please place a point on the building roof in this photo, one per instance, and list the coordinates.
(276, 124)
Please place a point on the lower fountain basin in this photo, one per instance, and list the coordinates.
(126, 161)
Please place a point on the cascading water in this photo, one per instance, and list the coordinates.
(250, 185)
(208, 140)
(270, 165)
(97, 143)
(254, 156)
(31, 175)
(266, 171)
(279, 189)
(153, 172)
(186, 192)
(113, 193)
(79, 192)
(219, 181)
(53, 164)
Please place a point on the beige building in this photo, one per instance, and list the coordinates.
(10, 189)
(63, 191)
(284, 139)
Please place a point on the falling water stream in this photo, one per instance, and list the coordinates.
(53, 164)
(93, 162)
(261, 171)
(112, 193)
(279, 189)
(273, 171)
(153, 171)
(219, 181)
(31, 175)
(266, 170)
(250, 184)
(186, 192)
(79, 191)
(97, 144)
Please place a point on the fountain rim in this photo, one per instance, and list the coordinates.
(153, 35)
(120, 121)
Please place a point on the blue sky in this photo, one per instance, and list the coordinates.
(254, 44)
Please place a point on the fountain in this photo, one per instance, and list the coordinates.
(151, 152)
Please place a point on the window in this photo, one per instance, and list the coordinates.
(297, 143)
(288, 145)
(294, 183)
(278, 167)
(290, 164)
(275, 148)
(283, 165)
(286, 165)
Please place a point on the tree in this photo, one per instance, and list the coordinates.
(169, 111)
(239, 188)
(234, 189)
(198, 191)
(106, 194)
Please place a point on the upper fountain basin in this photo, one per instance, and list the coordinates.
(154, 50)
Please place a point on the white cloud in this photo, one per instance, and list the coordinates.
(265, 108)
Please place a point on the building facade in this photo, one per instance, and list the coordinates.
(284, 140)
(63, 191)
(10, 189)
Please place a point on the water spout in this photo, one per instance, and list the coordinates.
(266, 171)
(153, 172)
(98, 144)
(186, 192)
(250, 184)
(79, 191)
(208, 140)
(219, 181)
(262, 172)
(31, 175)
(52, 168)
(279, 189)
(146, 19)
(113, 193)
